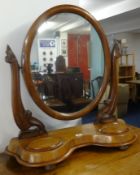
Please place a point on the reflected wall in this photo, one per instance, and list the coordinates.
(66, 57)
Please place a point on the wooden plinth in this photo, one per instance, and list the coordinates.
(91, 160)
(56, 146)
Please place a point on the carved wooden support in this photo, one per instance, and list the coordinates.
(107, 113)
(23, 118)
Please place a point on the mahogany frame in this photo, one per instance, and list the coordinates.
(26, 61)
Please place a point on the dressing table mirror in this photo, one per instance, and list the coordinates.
(67, 66)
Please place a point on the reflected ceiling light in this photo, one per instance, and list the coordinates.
(88, 28)
(46, 26)
(71, 26)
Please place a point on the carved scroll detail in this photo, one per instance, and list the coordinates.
(107, 113)
(23, 118)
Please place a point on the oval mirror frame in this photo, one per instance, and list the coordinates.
(26, 61)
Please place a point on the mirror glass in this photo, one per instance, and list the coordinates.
(67, 62)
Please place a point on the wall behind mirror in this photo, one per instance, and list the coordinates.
(14, 26)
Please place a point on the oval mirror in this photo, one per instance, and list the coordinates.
(66, 62)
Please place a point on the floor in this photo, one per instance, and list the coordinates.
(132, 116)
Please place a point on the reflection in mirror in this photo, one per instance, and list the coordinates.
(67, 62)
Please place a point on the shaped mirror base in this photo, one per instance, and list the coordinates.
(57, 145)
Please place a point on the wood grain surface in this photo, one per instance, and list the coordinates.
(84, 161)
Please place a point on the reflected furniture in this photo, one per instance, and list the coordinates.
(60, 64)
(91, 160)
(62, 91)
(66, 85)
(35, 146)
(95, 84)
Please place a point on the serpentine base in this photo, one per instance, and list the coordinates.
(57, 145)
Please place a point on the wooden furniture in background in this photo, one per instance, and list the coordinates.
(136, 91)
(126, 71)
(66, 85)
(60, 64)
(91, 160)
(64, 91)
